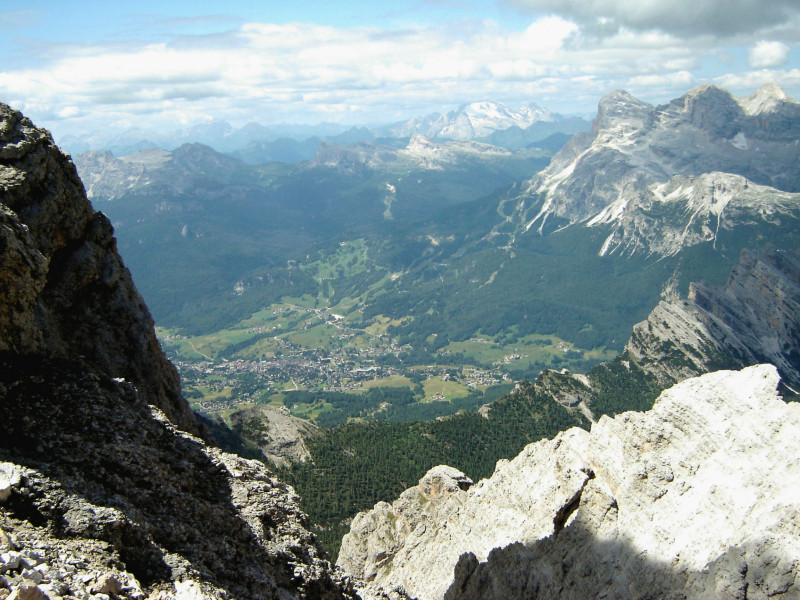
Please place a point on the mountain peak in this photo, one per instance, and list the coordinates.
(634, 150)
(620, 104)
(768, 98)
(474, 120)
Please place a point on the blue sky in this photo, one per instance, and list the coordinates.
(78, 67)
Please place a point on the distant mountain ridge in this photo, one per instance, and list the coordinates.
(490, 122)
(473, 120)
(193, 222)
(667, 177)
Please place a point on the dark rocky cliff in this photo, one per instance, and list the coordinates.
(104, 491)
(66, 292)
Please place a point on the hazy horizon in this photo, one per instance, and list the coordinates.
(91, 66)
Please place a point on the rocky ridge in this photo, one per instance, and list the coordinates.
(154, 171)
(754, 318)
(66, 292)
(280, 436)
(693, 499)
(106, 490)
(661, 178)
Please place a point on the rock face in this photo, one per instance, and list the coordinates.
(693, 499)
(754, 318)
(66, 293)
(376, 536)
(280, 436)
(104, 491)
(659, 179)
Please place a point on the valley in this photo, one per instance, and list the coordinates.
(423, 301)
(297, 346)
(386, 307)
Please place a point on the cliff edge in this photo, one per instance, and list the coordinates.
(695, 498)
(104, 490)
(66, 293)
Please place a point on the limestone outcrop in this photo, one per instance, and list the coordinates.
(280, 436)
(104, 490)
(754, 318)
(695, 498)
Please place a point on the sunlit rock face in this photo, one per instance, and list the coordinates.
(694, 499)
(754, 318)
(659, 179)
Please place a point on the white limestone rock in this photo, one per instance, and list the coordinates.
(658, 179)
(10, 477)
(696, 498)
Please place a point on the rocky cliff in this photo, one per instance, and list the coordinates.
(66, 293)
(657, 179)
(693, 499)
(279, 436)
(754, 318)
(104, 490)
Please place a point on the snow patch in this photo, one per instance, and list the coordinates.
(612, 212)
(740, 141)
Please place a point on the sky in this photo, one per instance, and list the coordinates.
(84, 66)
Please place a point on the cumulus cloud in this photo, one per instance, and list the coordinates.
(755, 79)
(767, 55)
(305, 72)
(678, 17)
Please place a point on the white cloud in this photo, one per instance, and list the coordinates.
(304, 72)
(745, 83)
(682, 79)
(680, 17)
(768, 54)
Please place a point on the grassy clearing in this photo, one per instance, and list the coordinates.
(395, 381)
(437, 389)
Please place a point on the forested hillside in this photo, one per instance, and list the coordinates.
(357, 464)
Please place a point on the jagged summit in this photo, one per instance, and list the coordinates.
(768, 98)
(614, 176)
(620, 105)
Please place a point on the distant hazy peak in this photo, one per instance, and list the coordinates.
(768, 98)
(619, 105)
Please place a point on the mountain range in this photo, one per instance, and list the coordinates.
(650, 197)
(193, 222)
(659, 179)
(490, 122)
(110, 485)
